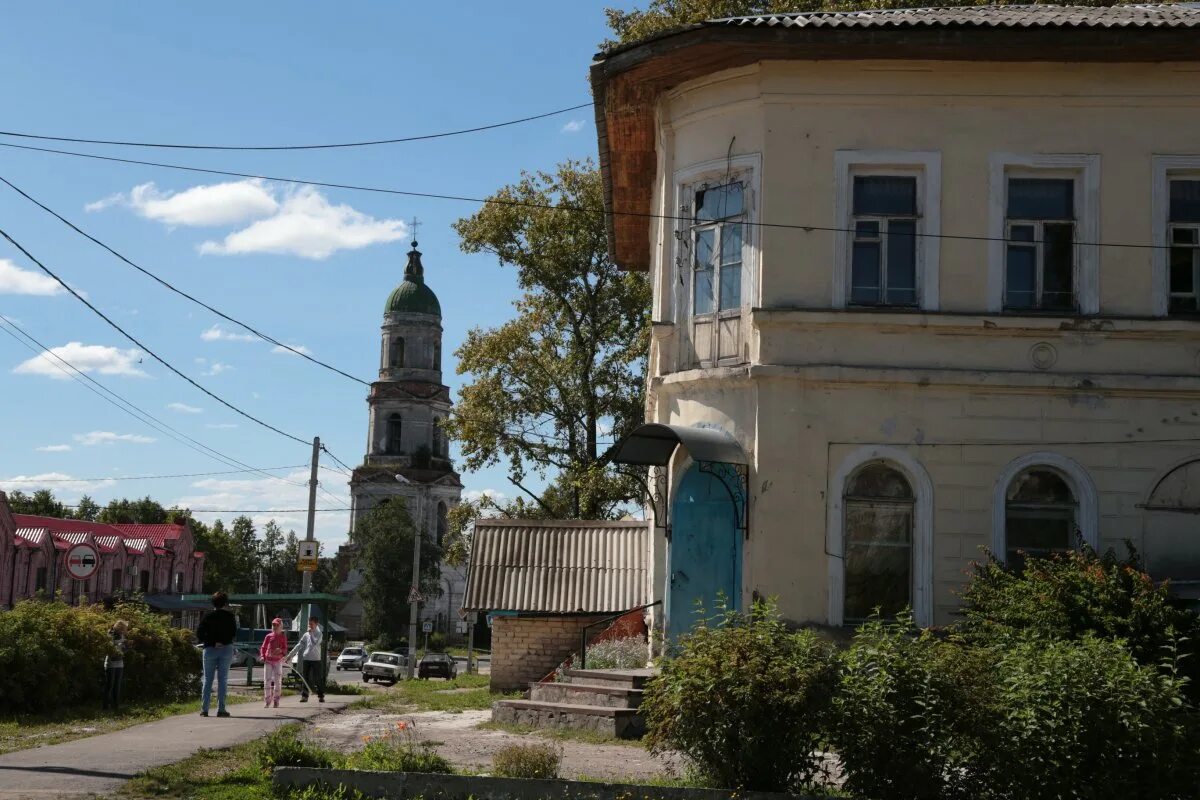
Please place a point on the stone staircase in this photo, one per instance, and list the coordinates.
(601, 700)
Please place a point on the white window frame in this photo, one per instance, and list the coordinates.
(1084, 169)
(1164, 169)
(1077, 478)
(747, 169)
(926, 166)
(922, 544)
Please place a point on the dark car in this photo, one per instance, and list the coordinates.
(436, 664)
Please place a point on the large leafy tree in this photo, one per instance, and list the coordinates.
(385, 539)
(552, 388)
(662, 15)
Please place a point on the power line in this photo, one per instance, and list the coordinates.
(247, 510)
(148, 351)
(548, 206)
(349, 470)
(336, 145)
(176, 290)
(124, 405)
(149, 477)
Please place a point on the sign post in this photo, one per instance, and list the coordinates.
(471, 618)
(426, 628)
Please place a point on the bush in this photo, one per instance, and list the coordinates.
(526, 761)
(52, 655)
(1082, 719)
(907, 714)
(630, 653)
(743, 700)
(437, 642)
(398, 751)
(283, 748)
(1074, 594)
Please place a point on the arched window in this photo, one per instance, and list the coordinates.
(397, 352)
(443, 524)
(879, 510)
(439, 438)
(437, 354)
(392, 441)
(1039, 515)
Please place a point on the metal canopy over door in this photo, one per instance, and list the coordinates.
(704, 555)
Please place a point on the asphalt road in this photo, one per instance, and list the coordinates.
(237, 675)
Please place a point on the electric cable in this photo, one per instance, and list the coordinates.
(146, 349)
(175, 289)
(149, 477)
(553, 206)
(247, 510)
(333, 146)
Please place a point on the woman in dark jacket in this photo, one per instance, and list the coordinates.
(217, 631)
(114, 666)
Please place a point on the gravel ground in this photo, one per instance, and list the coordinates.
(458, 739)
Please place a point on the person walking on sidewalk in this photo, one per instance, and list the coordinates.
(311, 667)
(114, 666)
(273, 652)
(217, 631)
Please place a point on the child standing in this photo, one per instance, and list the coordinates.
(273, 651)
(114, 666)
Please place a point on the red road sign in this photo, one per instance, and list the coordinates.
(82, 561)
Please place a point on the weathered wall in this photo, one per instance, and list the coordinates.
(526, 649)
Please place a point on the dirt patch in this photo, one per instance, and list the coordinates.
(457, 739)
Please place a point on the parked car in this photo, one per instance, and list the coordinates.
(351, 658)
(439, 664)
(384, 668)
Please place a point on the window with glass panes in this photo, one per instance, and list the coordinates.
(1183, 237)
(883, 258)
(1039, 516)
(1039, 263)
(878, 536)
(717, 227)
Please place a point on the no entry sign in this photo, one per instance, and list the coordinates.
(82, 561)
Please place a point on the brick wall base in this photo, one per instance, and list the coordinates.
(525, 649)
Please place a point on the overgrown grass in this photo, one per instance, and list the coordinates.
(228, 774)
(559, 734)
(464, 693)
(23, 731)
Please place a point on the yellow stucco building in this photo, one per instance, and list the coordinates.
(925, 282)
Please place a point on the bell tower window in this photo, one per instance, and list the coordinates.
(397, 352)
(391, 444)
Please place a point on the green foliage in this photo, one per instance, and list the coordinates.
(398, 751)
(549, 386)
(628, 653)
(906, 717)
(283, 748)
(52, 655)
(1071, 595)
(526, 761)
(437, 642)
(385, 539)
(664, 15)
(744, 700)
(1082, 719)
(40, 503)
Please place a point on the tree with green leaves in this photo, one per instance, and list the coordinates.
(41, 503)
(551, 390)
(385, 539)
(87, 509)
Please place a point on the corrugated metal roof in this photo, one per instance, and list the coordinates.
(157, 533)
(557, 566)
(32, 536)
(74, 537)
(108, 543)
(1014, 16)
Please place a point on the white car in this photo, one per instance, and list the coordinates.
(384, 668)
(351, 658)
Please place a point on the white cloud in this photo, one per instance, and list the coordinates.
(14, 280)
(184, 408)
(108, 437)
(215, 204)
(283, 351)
(218, 334)
(54, 448)
(217, 368)
(85, 358)
(309, 226)
(221, 426)
(574, 126)
(475, 495)
(59, 482)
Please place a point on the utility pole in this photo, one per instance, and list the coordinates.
(414, 592)
(306, 579)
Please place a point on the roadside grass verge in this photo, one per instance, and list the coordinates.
(560, 734)
(227, 774)
(464, 693)
(23, 731)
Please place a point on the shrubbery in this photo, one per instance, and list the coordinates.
(398, 751)
(627, 653)
(52, 655)
(526, 761)
(1065, 681)
(744, 701)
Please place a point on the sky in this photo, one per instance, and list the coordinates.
(311, 267)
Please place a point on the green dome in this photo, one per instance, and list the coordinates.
(413, 296)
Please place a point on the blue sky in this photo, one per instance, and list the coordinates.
(310, 267)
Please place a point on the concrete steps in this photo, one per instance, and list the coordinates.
(604, 701)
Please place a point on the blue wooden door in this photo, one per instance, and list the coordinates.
(705, 554)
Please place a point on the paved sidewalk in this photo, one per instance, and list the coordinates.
(100, 764)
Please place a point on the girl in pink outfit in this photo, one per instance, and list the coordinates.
(273, 652)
